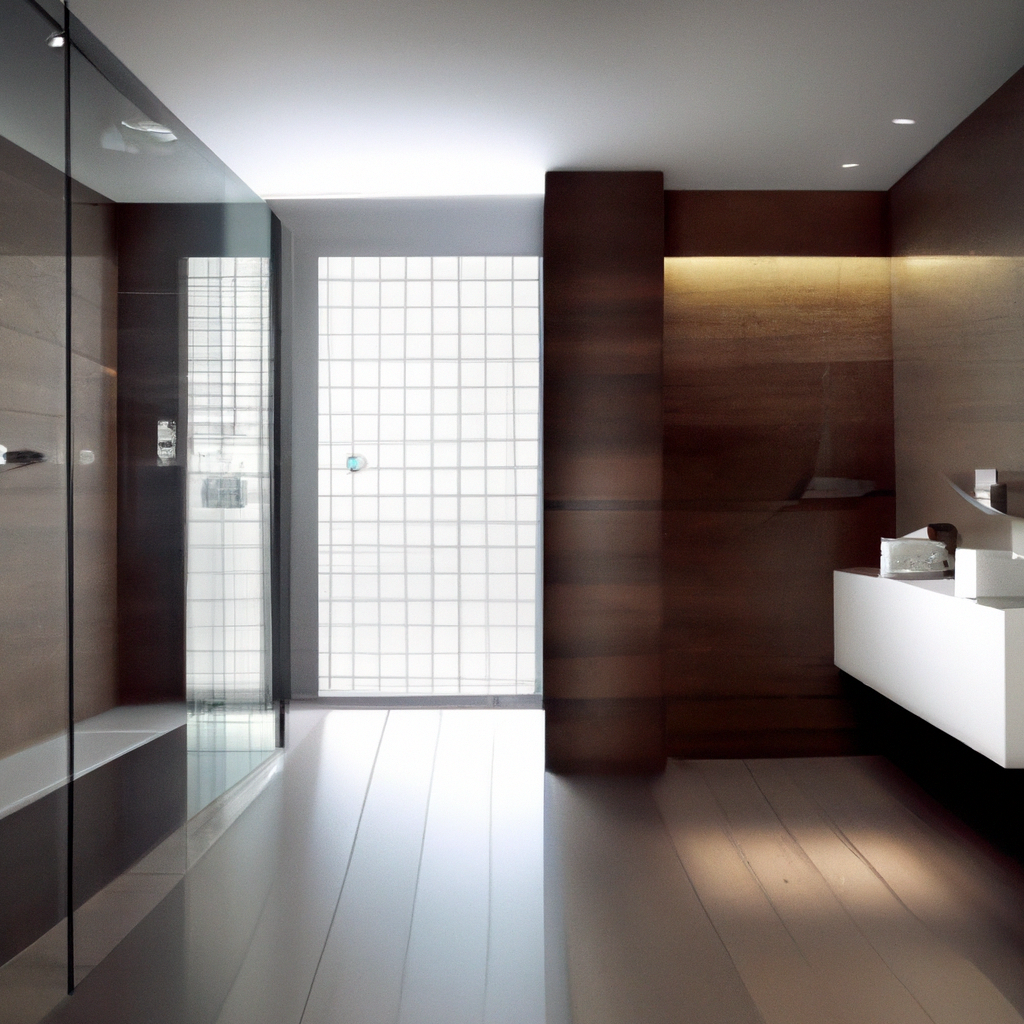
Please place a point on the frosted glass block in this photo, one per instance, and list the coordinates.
(499, 346)
(499, 268)
(445, 321)
(419, 588)
(446, 482)
(526, 320)
(446, 346)
(471, 268)
(499, 374)
(499, 293)
(418, 428)
(446, 560)
(339, 293)
(502, 587)
(446, 428)
(364, 428)
(473, 666)
(526, 535)
(339, 322)
(365, 374)
(445, 267)
(524, 486)
(445, 293)
(364, 507)
(446, 666)
(392, 509)
(418, 325)
(502, 560)
(365, 400)
(417, 509)
(418, 535)
(473, 375)
(527, 400)
(418, 293)
(503, 639)
(445, 509)
(502, 613)
(392, 293)
(392, 639)
(472, 400)
(392, 588)
(526, 293)
(366, 267)
(472, 427)
(473, 560)
(473, 346)
(446, 639)
(473, 639)
(472, 453)
(392, 533)
(419, 560)
(420, 640)
(393, 613)
(472, 321)
(366, 293)
(339, 375)
(341, 638)
(420, 666)
(526, 426)
(341, 587)
(446, 587)
(499, 400)
(502, 666)
(418, 374)
(527, 375)
(365, 321)
(525, 266)
(418, 481)
(420, 613)
(393, 666)
(391, 428)
(499, 321)
(445, 454)
(417, 401)
(418, 267)
(446, 534)
(392, 399)
(471, 294)
(473, 509)
(446, 613)
(473, 480)
(364, 613)
(446, 374)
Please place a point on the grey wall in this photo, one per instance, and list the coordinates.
(958, 319)
(470, 226)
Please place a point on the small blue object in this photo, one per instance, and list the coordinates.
(355, 463)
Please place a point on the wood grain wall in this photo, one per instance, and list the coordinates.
(777, 369)
(958, 320)
(603, 271)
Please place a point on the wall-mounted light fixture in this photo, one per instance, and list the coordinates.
(55, 40)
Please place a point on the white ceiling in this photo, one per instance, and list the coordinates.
(459, 97)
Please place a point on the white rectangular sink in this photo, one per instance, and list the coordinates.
(955, 662)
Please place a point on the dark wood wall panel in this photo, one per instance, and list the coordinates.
(779, 223)
(776, 370)
(603, 316)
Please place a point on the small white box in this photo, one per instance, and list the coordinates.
(981, 573)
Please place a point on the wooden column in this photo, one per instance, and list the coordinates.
(603, 319)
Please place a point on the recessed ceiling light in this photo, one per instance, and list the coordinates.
(851, 165)
(55, 40)
(903, 120)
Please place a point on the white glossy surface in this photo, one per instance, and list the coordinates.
(956, 663)
(40, 769)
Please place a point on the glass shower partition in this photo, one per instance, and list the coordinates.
(135, 500)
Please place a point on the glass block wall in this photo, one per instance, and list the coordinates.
(228, 460)
(428, 514)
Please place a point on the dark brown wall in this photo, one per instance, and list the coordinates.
(739, 223)
(777, 369)
(958, 319)
(603, 268)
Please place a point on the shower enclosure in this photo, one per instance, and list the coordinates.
(136, 513)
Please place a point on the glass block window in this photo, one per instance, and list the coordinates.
(227, 455)
(428, 514)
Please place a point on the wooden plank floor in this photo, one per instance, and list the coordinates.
(417, 867)
(800, 891)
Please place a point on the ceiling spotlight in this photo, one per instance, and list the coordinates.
(847, 166)
(55, 40)
(903, 120)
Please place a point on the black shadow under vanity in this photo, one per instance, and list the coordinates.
(137, 591)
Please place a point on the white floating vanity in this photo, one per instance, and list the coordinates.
(956, 662)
